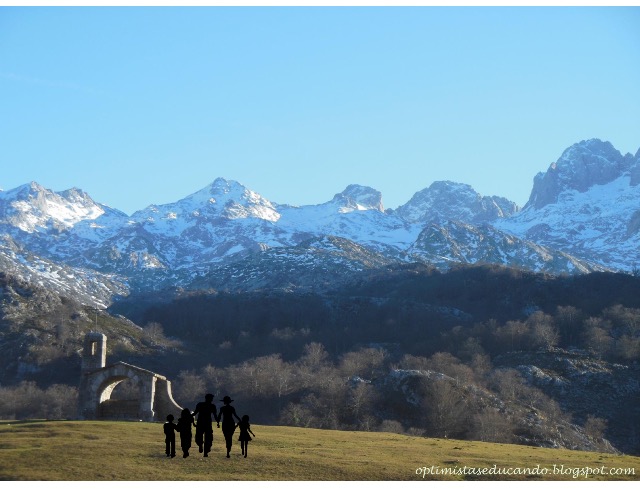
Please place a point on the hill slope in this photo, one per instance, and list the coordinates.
(59, 450)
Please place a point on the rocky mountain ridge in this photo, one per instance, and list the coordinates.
(582, 216)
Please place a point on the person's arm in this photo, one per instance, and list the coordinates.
(193, 414)
(234, 413)
(249, 429)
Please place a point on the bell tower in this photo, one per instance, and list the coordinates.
(94, 352)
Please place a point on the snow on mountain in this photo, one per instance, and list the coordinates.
(580, 167)
(87, 286)
(223, 199)
(32, 208)
(587, 204)
(583, 215)
(314, 265)
(358, 197)
(445, 243)
(455, 201)
(357, 214)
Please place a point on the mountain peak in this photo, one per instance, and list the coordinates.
(360, 197)
(31, 206)
(581, 166)
(222, 198)
(223, 186)
(456, 201)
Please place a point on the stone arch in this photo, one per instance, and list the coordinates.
(155, 400)
(119, 409)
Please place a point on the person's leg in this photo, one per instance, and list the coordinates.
(246, 448)
(208, 440)
(167, 447)
(229, 440)
(199, 435)
(185, 446)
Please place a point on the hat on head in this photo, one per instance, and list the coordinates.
(227, 399)
(209, 396)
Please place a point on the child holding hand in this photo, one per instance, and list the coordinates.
(245, 429)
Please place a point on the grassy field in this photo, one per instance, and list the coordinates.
(88, 450)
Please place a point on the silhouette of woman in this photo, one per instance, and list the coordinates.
(226, 413)
(245, 437)
(184, 428)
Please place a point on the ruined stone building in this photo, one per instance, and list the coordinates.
(98, 380)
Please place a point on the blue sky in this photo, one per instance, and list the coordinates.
(141, 106)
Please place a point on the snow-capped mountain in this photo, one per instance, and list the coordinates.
(32, 208)
(455, 201)
(317, 264)
(579, 168)
(583, 215)
(586, 204)
(85, 285)
(442, 244)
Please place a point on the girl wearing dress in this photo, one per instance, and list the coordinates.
(245, 437)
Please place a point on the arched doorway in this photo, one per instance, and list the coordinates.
(153, 400)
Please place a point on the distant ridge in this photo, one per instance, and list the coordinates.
(581, 216)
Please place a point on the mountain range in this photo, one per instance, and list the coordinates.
(583, 215)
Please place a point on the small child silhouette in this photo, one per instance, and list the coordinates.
(170, 436)
(184, 428)
(245, 429)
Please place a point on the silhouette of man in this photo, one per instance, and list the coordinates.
(227, 412)
(206, 412)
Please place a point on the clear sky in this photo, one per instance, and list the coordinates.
(141, 106)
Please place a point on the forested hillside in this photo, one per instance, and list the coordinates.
(482, 352)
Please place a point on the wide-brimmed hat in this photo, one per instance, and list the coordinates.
(227, 399)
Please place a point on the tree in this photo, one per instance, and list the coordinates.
(295, 414)
(391, 426)
(507, 383)
(449, 365)
(446, 409)
(154, 333)
(492, 426)
(595, 427)
(361, 401)
(366, 362)
(512, 336)
(597, 336)
(190, 388)
(568, 319)
(543, 331)
(315, 355)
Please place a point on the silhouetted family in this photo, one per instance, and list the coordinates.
(206, 413)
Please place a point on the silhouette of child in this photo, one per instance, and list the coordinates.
(185, 422)
(245, 437)
(170, 436)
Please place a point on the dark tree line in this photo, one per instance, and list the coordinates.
(329, 361)
(414, 311)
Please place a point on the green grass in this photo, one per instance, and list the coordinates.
(94, 450)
